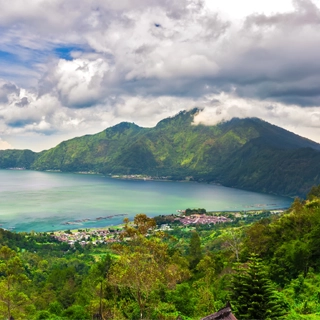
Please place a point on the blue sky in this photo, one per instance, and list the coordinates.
(69, 68)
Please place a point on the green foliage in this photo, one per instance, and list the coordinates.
(43, 315)
(303, 294)
(55, 308)
(195, 253)
(145, 267)
(155, 275)
(183, 299)
(165, 311)
(76, 312)
(189, 211)
(13, 301)
(253, 295)
(314, 193)
(17, 158)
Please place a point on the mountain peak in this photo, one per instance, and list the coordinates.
(184, 117)
(122, 127)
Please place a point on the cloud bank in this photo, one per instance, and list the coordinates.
(69, 69)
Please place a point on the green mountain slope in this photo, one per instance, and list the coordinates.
(245, 153)
(17, 158)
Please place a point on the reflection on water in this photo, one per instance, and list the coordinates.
(44, 201)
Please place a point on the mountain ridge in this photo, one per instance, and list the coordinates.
(245, 153)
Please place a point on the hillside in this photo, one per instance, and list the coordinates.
(182, 273)
(244, 153)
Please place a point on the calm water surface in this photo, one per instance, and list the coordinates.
(45, 201)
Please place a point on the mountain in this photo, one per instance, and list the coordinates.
(243, 153)
(17, 158)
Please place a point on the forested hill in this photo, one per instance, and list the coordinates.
(244, 153)
(268, 269)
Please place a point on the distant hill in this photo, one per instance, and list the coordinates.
(243, 153)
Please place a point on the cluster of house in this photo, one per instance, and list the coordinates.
(107, 235)
(202, 219)
(84, 237)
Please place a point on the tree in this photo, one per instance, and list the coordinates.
(233, 241)
(13, 302)
(314, 193)
(253, 296)
(144, 267)
(195, 253)
(139, 273)
(258, 237)
(144, 264)
(142, 225)
(101, 271)
(297, 205)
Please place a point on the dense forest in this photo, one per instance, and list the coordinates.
(247, 153)
(269, 269)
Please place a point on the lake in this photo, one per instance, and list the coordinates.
(47, 201)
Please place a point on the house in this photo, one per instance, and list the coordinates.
(223, 314)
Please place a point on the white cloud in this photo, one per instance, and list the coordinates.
(240, 9)
(142, 60)
(79, 82)
(148, 111)
(223, 107)
(5, 145)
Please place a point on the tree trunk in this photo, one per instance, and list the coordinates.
(140, 305)
(100, 306)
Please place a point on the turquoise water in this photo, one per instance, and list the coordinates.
(45, 201)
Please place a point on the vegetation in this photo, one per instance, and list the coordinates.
(268, 269)
(244, 153)
(189, 212)
(252, 293)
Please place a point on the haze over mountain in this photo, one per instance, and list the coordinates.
(244, 153)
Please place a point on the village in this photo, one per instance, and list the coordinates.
(107, 234)
(86, 236)
(202, 219)
(183, 218)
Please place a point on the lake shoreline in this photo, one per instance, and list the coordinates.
(81, 226)
(49, 201)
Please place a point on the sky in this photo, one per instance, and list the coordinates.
(69, 67)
